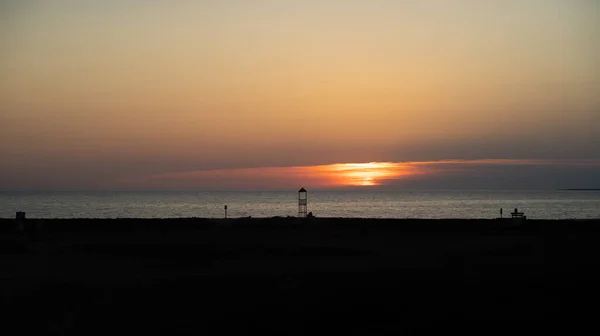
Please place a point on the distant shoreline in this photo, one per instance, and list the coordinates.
(580, 189)
(178, 222)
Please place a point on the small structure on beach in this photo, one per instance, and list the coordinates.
(302, 202)
(518, 215)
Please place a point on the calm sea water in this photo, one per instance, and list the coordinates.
(364, 203)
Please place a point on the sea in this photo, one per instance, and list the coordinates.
(536, 204)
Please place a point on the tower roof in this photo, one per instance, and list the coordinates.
(302, 190)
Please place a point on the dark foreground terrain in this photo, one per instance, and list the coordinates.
(286, 276)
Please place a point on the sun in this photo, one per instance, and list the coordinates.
(365, 174)
(367, 181)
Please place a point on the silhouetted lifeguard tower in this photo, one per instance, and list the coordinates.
(302, 202)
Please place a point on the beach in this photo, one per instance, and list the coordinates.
(294, 276)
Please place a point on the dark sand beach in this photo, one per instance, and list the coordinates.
(289, 276)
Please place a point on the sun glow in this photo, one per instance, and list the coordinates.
(366, 174)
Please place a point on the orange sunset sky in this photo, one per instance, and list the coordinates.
(265, 94)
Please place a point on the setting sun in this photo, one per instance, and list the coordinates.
(367, 181)
(366, 174)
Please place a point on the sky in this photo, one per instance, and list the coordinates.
(266, 94)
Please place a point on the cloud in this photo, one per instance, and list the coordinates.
(443, 174)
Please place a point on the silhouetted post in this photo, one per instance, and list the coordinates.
(302, 202)
(500, 212)
(226, 211)
(20, 217)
